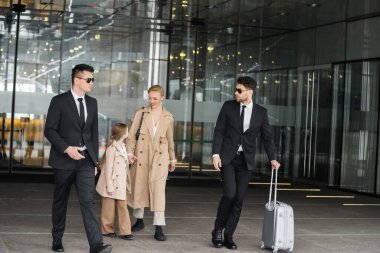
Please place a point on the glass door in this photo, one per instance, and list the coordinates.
(313, 120)
(360, 126)
(3, 144)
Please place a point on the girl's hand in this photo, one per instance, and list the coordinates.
(131, 158)
(109, 193)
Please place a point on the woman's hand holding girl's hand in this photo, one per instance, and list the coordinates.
(171, 167)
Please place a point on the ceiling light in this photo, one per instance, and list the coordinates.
(182, 54)
(314, 5)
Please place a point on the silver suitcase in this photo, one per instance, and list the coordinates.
(278, 225)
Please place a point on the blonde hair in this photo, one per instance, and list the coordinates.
(117, 131)
(157, 88)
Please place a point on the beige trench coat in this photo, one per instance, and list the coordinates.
(114, 176)
(150, 171)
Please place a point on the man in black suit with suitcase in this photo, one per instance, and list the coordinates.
(72, 129)
(239, 123)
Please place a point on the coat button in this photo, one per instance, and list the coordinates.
(117, 175)
(117, 187)
(160, 142)
(140, 152)
(160, 153)
(159, 164)
(139, 164)
(142, 138)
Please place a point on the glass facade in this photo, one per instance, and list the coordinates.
(316, 63)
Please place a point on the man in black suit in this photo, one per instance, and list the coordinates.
(239, 123)
(72, 129)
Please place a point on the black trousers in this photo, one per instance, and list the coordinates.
(84, 179)
(235, 178)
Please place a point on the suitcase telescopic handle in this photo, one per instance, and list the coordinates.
(275, 188)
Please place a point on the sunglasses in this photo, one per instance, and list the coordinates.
(240, 91)
(88, 80)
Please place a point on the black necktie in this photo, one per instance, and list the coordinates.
(81, 111)
(242, 118)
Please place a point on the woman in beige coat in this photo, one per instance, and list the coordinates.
(114, 184)
(152, 155)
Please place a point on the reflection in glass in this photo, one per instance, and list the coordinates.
(360, 127)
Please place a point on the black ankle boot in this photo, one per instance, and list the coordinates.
(159, 235)
(139, 225)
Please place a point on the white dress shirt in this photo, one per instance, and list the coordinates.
(77, 103)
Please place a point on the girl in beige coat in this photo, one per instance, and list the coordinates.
(152, 155)
(113, 185)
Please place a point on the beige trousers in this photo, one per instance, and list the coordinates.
(108, 216)
(158, 218)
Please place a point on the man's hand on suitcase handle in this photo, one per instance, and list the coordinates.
(275, 165)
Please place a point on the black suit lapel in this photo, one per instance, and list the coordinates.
(254, 110)
(89, 112)
(73, 107)
(236, 113)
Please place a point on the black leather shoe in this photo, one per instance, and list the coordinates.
(139, 225)
(57, 245)
(110, 235)
(217, 238)
(126, 237)
(159, 234)
(230, 244)
(104, 249)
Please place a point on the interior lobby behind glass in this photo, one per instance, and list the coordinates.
(316, 64)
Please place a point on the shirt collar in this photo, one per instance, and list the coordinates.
(75, 95)
(250, 105)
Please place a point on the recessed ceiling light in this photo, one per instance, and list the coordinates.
(314, 5)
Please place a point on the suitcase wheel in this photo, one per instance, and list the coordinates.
(275, 250)
(262, 245)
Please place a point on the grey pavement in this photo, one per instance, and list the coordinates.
(322, 225)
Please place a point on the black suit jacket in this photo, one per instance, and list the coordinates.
(227, 134)
(63, 129)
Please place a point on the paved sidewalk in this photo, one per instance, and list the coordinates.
(322, 225)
